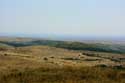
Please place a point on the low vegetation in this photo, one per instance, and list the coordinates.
(70, 45)
(45, 61)
(64, 75)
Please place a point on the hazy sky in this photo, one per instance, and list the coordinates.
(63, 17)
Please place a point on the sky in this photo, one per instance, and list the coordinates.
(87, 18)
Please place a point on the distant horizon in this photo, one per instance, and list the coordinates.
(63, 37)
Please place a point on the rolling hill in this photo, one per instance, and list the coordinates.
(99, 47)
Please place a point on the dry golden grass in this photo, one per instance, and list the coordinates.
(43, 64)
(63, 75)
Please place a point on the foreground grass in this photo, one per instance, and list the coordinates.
(64, 75)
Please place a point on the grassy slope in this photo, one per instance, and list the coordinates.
(21, 65)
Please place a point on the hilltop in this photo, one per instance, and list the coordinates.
(98, 46)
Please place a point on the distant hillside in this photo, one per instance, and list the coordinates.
(114, 48)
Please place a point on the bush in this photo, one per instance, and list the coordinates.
(45, 58)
